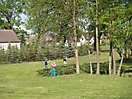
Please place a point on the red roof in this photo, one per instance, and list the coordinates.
(8, 36)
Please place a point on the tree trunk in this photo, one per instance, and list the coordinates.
(110, 58)
(94, 42)
(75, 39)
(37, 42)
(110, 53)
(119, 70)
(91, 68)
(97, 43)
(113, 54)
(109, 65)
(114, 63)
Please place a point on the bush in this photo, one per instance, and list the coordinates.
(104, 69)
(84, 68)
(2, 56)
(60, 70)
(82, 50)
(71, 69)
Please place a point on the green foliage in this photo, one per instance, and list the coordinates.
(116, 18)
(55, 17)
(85, 69)
(2, 56)
(11, 13)
(12, 54)
(22, 34)
(60, 70)
(83, 50)
(27, 53)
(22, 54)
(71, 69)
(103, 68)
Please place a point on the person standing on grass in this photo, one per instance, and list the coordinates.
(64, 60)
(53, 65)
(46, 64)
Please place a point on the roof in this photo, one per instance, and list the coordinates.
(8, 36)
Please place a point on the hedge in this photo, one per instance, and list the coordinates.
(71, 69)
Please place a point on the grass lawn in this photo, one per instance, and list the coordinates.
(20, 81)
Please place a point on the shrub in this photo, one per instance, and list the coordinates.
(60, 70)
(84, 68)
(29, 53)
(71, 69)
(2, 56)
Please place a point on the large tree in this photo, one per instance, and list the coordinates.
(56, 17)
(117, 18)
(11, 12)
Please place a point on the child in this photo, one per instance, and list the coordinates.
(65, 58)
(53, 69)
(46, 64)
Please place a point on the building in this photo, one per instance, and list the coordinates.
(8, 37)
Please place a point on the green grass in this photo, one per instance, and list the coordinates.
(20, 81)
(104, 57)
(105, 48)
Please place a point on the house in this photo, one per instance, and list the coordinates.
(8, 37)
(82, 41)
(87, 38)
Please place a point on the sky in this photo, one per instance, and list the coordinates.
(24, 18)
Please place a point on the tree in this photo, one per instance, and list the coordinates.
(11, 15)
(118, 25)
(124, 38)
(97, 45)
(75, 38)
(38, 13)
(56, 17)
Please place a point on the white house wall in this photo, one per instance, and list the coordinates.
(82, 40)
(5, 45)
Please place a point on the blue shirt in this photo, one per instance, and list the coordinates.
(64, 59)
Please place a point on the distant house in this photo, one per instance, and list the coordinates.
(8, 37)
(82, 41)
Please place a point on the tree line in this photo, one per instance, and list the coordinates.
(45, 51)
